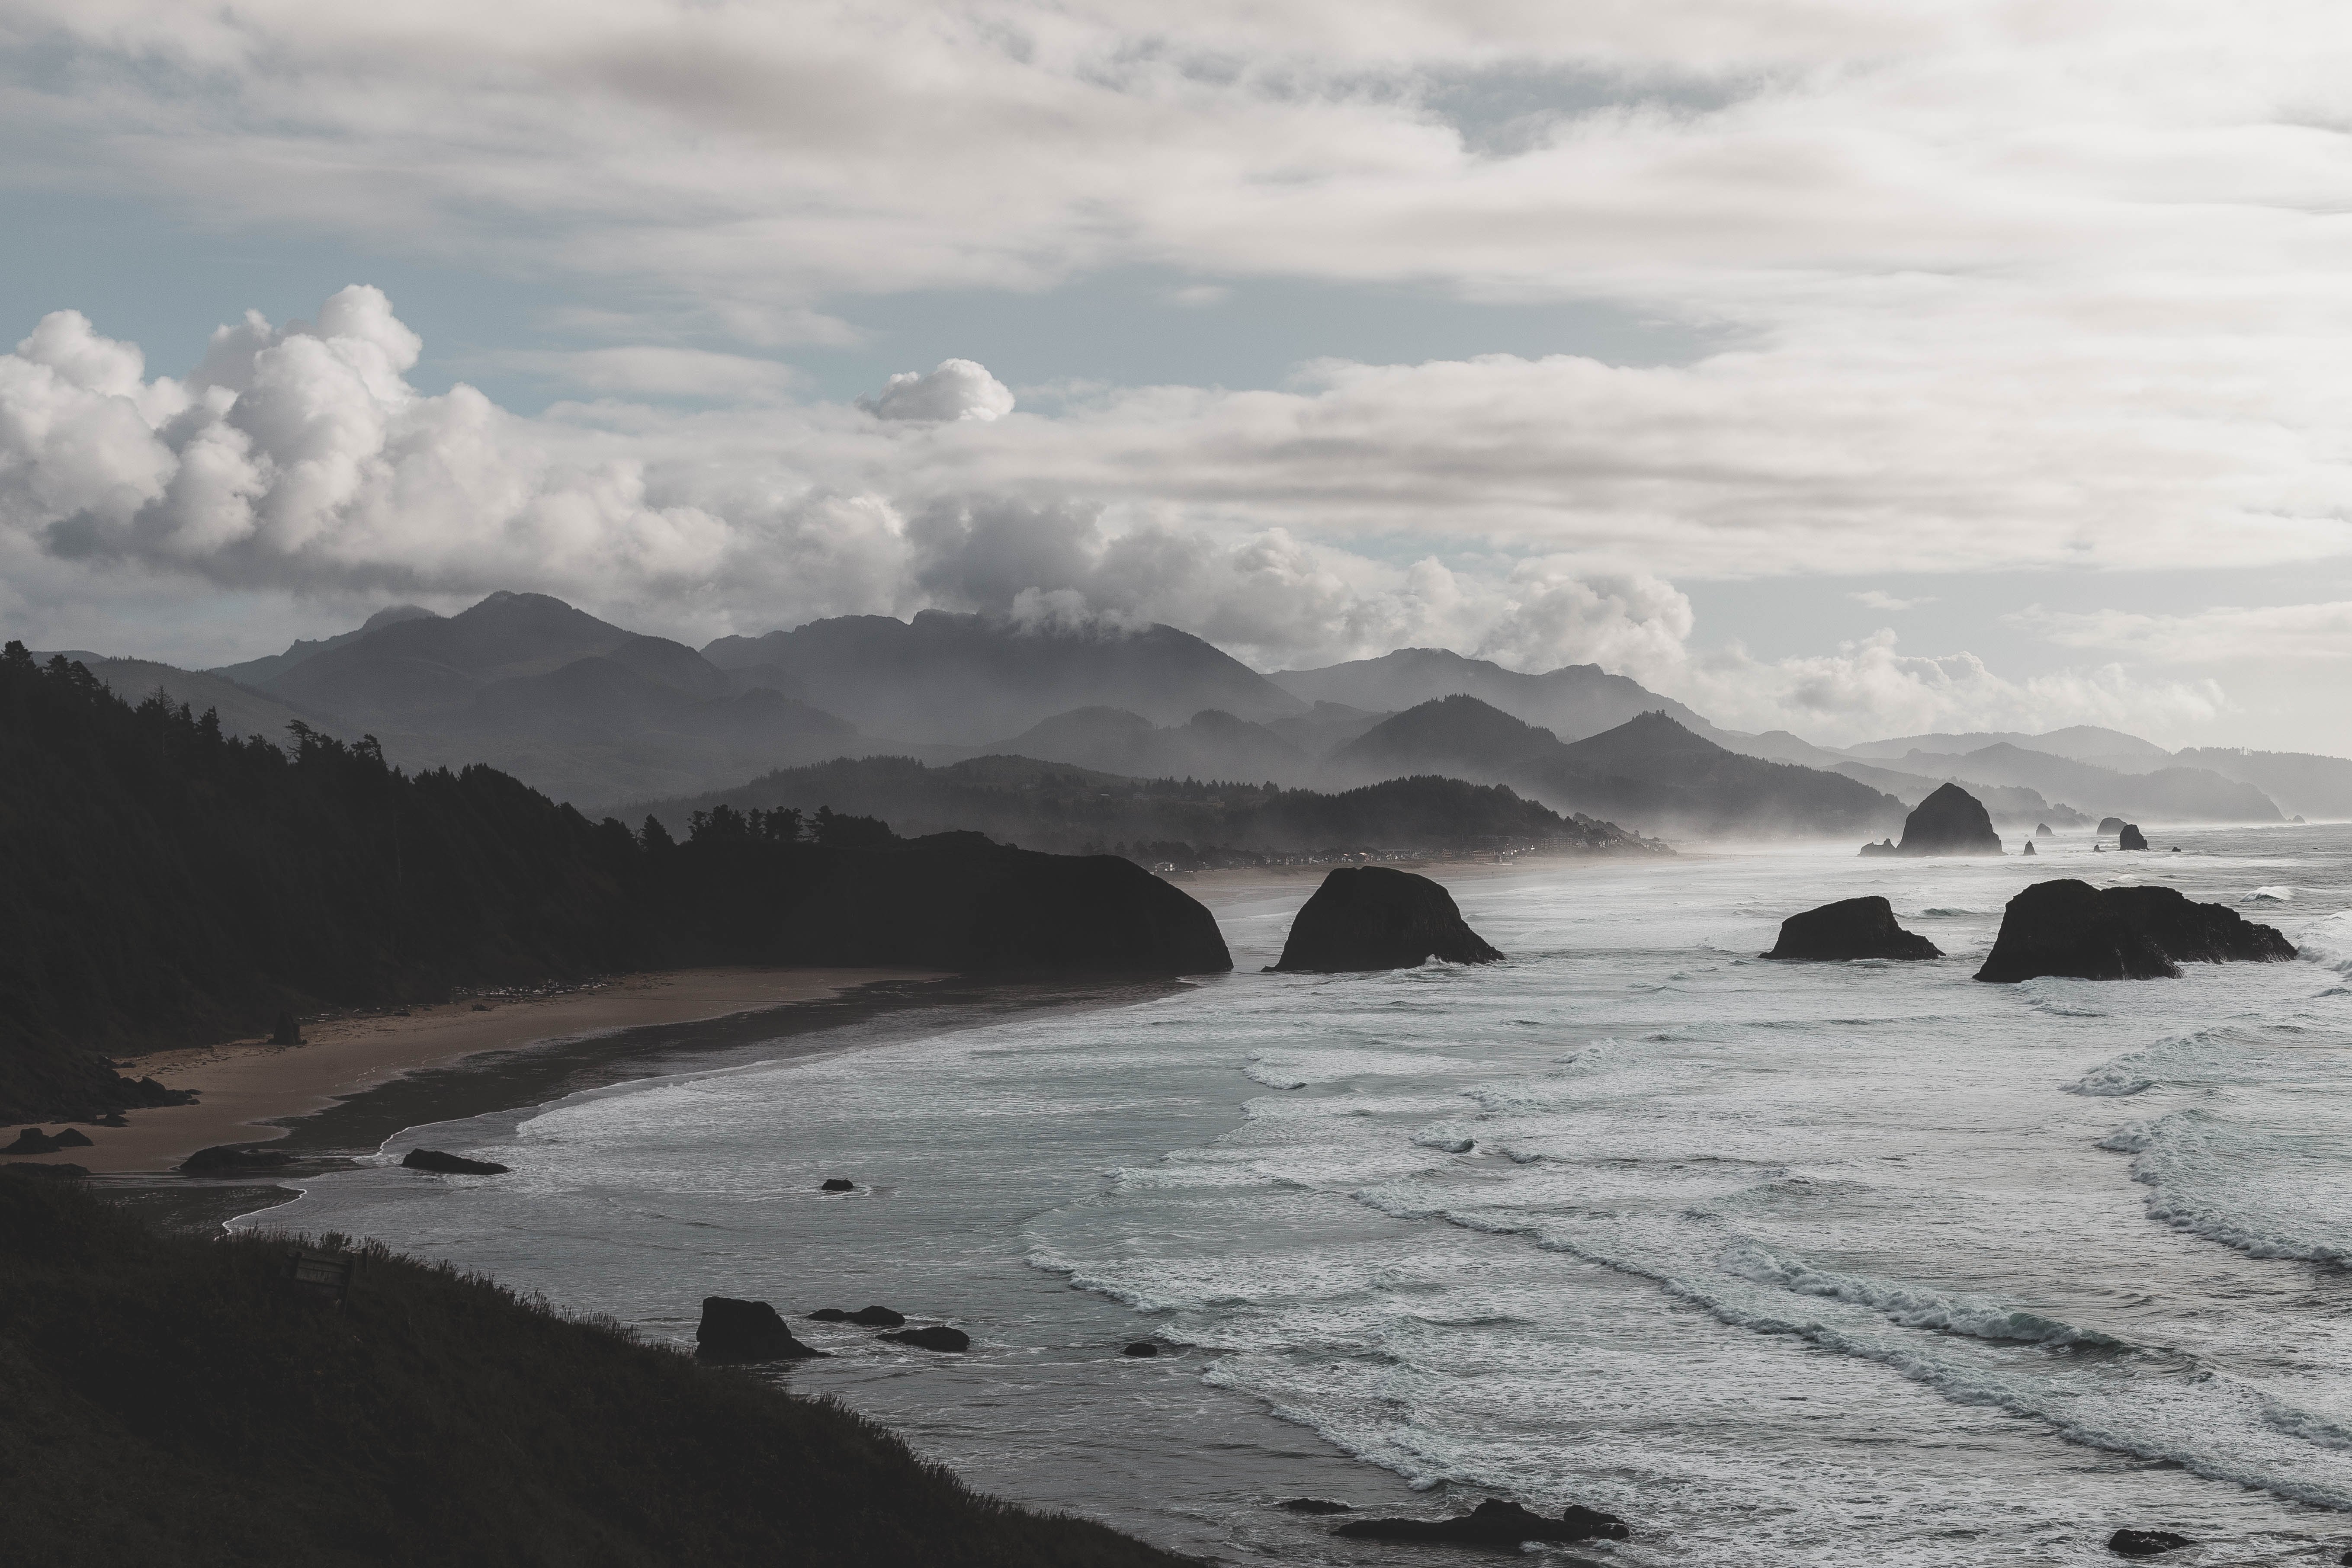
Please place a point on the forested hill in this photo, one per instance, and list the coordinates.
(1051, 805)
(161, 882)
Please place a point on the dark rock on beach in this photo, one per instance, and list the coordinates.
(2069, 928)
(745, 1330)
(1950, 822)
(1311, 1505)
(1372, 917)
(837, 1184)
(2131, 837)
(451, 1164)
(287, 1032)
(228, 1160)
(1142, 1348)
(933, 1339)
(1493, 1523)
(32, 1141)
(56, 1171)
(1851, 927)
(2145, 1542)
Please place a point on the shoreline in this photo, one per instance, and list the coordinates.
(1230, 885)
(254, 1092)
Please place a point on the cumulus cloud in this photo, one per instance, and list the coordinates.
(958, 389)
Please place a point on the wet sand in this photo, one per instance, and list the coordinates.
(249, 1089)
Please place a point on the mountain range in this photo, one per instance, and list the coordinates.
(594, 714)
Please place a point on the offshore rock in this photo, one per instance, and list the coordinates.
(1884, 846)
(2145, 1542)
(1493, 1523)
(1372, 917)
(451, 1164)
(2029, 849)
(1142, 1348)
(2109, 826)
(2042, 830)
(933, 1338)
(837, 1184)
(228, 1160)
(2131, 837)
(1950, 822)
(1312, 1505)
(2069, 928)
(745, 1330)
(1851, 927)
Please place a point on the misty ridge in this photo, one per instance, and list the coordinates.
(608, 718)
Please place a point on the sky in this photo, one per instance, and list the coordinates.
(1859, 369)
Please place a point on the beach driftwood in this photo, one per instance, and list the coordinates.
(1493, 1523)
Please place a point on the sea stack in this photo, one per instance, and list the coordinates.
(2069, 928)
(1371, 916)
(1851, 927)
(2042, 830)
(2110, 826)
(2029, 849)
(2131, 837)
(1950, 822)
(745, 1330)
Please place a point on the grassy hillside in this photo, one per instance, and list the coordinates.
(172, 1401)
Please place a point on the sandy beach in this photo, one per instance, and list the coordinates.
(245, 1085)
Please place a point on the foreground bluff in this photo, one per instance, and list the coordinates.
(1372, 917)
(955, 900)
(1950, 822)
(2069, 928)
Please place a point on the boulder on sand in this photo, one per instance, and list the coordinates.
(287, 1032)
(745, 1330)
(2131, 837)
(933, 1338)
(1372, 917)
(1851, 927)
(1950, 822)
(2145, 1542)
(451, 1164)
(32, 1141)
(1493, 1523)
(2069, 928)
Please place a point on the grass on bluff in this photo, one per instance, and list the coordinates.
(172, 1400)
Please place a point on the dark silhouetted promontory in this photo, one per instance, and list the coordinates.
(1851, 927)
(2069, 928)
(169, 884)
(1372, 917)
(1950, 822)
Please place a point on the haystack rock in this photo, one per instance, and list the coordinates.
(2131, 837)
(1851, 927)
(745, 1330)
(2110, 826)
(1950, 822)
(2042, 830)
(1371, 916)
(2029, 849)
(2069, 928)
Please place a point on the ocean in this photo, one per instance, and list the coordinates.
(1786, 1264)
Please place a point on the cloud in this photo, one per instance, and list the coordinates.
(657, 371)
(2223, 633)
(1879, 599)
(958, 389)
